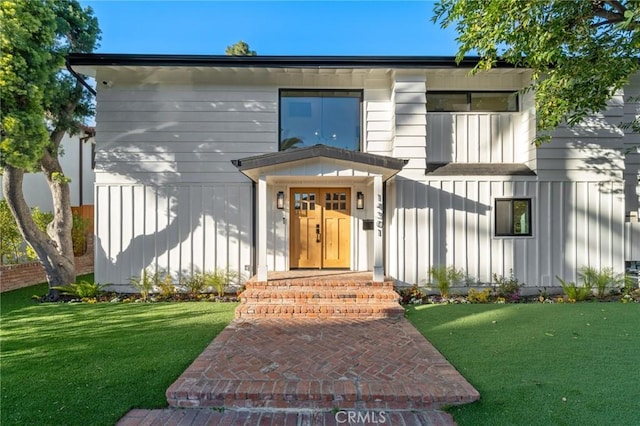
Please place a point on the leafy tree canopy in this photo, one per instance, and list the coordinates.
(580, 52)
(239, 49)
(36, 96)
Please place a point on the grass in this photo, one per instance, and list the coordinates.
(541, 364)
(79, 364)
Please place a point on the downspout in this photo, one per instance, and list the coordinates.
(80, 172)
(80, 79)
(254, 254)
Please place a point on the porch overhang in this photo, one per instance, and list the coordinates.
(326, 161)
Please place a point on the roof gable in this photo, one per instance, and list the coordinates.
(362, 162)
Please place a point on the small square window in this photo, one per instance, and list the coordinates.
(513, 217)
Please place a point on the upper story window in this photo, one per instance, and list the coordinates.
(326, 117)
(472, 101)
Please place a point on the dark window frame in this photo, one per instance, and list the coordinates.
(315, 90)
(469, 93)
(512, 202)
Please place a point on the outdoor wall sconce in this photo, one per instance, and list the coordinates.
(280, 200)
(360, 200)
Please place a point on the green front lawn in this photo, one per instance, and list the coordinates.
(541, 364)
(80, 364)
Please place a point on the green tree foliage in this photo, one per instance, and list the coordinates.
(580, 52)
(40, 103)
(10, 239)
(23, 77)
(239, 49)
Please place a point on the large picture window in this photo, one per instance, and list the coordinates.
(326, 117)
(513, 217)
(472, 101)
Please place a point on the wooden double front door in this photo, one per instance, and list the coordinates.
(320, 228)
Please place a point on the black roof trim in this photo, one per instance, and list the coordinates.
(296, 154)
(478, 169)
(111, 59)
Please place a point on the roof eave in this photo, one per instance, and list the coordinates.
(109, 59)
(248, 164)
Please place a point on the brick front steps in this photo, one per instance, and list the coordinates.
(330, 296)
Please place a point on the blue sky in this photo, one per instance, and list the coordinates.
(272, 27)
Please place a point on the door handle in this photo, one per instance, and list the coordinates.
(317, 233)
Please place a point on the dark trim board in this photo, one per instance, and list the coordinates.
(116, 59)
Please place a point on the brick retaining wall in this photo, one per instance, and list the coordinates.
(13, 277)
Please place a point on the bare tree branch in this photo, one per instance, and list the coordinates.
(617, 5)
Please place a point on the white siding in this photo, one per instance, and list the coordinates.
(168, 197)
(180, 134)
(632, 146)
(410, 128)
(474, 138)
(175, 228)
(378, 118)
(592, 150)
(451, 222)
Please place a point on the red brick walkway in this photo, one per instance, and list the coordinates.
(202, 416)
(301, 370)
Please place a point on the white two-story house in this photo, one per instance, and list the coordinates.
(383, 164)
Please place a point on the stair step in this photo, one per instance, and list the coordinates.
(284, 284)
(320, 310)
(295, 295)
(325, 396)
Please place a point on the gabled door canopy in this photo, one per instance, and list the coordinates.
(373, 164)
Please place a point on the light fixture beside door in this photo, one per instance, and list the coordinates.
(280, 200)
(359, 200)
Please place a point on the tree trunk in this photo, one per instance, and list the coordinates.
(54, 250)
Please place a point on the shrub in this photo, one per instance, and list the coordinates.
(445, 276)
(165, 286)
(144, 284)
(475, 296)
(83, 289)
(600, 280)
(507, 288)
(219, 280)
(411, 295)
(79, 234)
(11, 242)
(194, 284)
(573, 292)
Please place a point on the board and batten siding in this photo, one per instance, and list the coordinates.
(167, 196)
(482, 137)
(451, 222)
(473, 138)
(181, 229)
